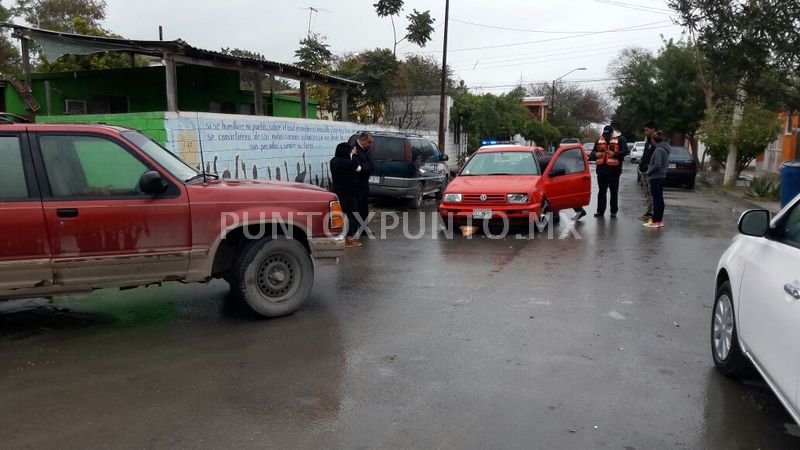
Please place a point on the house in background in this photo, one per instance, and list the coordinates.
(785, 148)
(537, 106)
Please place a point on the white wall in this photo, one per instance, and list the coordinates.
(274, 146)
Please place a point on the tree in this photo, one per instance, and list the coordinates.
(741, 41)
(71, 16)
(420, 24)
(376, 69)
(490, 116)
(665, 88)
(314, 54)
(542, 133)
(575, 107)
(9, 55)
(59, 15)
(758, 128)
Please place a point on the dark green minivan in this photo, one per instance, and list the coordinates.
(406, 166)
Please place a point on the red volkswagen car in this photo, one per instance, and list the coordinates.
(516, 182)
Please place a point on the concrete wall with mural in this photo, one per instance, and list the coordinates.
(270, 148)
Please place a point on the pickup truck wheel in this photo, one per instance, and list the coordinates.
(274, 276)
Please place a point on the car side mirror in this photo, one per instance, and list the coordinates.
(558, 172)
(754, 223)
(444, 157)
(151, 183)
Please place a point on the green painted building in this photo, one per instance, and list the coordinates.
(141, 89)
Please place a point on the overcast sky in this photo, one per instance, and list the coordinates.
(495, 50)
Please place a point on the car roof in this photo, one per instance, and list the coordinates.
(505, 148)
(60, 127)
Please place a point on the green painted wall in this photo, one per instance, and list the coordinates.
(145, 89)
(149, 123)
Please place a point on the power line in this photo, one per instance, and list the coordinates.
(538, 58)
(542, 61)
(651, 9)
(516, 56)
(496, 27)
(648, 26)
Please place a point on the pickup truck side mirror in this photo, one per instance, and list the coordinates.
(754, 223)
(151, 183)
(444, 157)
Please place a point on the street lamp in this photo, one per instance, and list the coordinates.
(553, 93)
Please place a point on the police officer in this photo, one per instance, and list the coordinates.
(609, 150)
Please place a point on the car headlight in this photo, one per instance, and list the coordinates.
(517, 198)
(452, 198)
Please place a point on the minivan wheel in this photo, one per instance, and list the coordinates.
(728, 356)
(440, 192)
(417, 196)
(274, 276)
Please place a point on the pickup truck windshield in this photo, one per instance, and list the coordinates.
(162, 156)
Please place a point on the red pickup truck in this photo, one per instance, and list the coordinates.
(85, 207)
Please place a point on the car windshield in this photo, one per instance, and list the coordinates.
(680, 153)
(501, 163)
(161, 155)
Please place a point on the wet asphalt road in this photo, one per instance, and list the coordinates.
(600, 342)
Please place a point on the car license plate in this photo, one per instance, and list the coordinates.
(374, 180)
(482, 214)
(672, 166)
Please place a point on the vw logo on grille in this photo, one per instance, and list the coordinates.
(483, 197)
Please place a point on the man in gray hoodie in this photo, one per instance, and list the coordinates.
(657, 173)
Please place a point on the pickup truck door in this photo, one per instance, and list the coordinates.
(567, 180)
(103, 229)
(24, 245)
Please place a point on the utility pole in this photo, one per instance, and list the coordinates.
(443, 91)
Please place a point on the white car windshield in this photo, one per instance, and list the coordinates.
(502, 163)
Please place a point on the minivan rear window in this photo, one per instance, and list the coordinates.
(386, 148)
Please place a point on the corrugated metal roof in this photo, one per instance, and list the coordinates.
(84, 44)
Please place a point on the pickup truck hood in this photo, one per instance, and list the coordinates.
(249, 190)
(493, 184)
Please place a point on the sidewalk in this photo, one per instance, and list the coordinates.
(738, 195)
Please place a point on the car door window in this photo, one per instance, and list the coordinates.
(430, 153)
(417, 151)
(13, 185)
(571, 161)
(90, 166)
(790, 228)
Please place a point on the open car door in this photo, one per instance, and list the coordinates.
(567, 180)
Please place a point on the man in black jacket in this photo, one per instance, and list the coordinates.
(644, 164)
(609, 151)
(344, 169)
(364, 159)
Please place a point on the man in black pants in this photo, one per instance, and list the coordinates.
(364, 158)
(644, 164)
(609, 150)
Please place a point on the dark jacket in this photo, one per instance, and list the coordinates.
(364, 158)
(344, 170)
(647, 153)
(659, 162)
(621, 154)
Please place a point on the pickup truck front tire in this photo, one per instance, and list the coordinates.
(273, 276)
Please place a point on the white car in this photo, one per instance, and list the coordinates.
(756, 314)
(636, 151)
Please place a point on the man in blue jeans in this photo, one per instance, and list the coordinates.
(657, 173)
